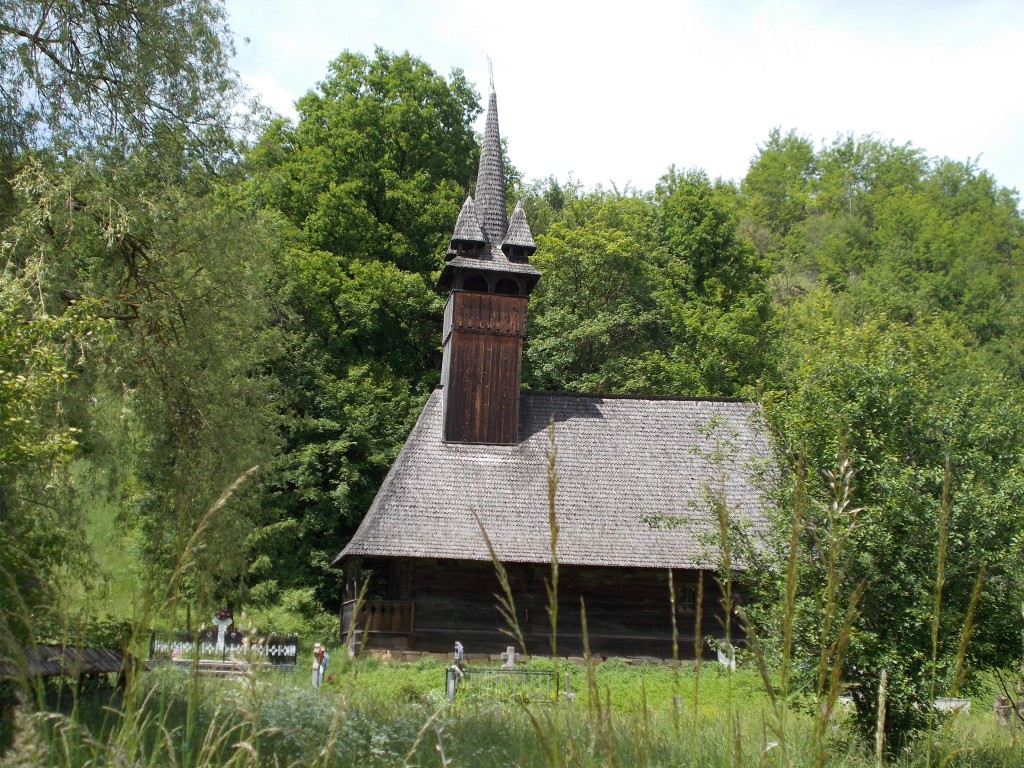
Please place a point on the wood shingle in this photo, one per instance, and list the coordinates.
(634, 478)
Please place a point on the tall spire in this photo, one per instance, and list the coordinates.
(488, 275)
(490, 179)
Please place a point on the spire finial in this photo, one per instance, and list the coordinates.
(490, 72)
(490, 179)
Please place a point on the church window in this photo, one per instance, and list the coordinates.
(686, 600)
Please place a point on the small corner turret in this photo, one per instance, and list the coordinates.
(518, 244)
(488, 275)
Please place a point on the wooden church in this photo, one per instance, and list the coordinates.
(635, 481)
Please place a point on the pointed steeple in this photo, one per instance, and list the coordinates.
(490, 179)
(467, 228)
(518, 243)
(483, 242)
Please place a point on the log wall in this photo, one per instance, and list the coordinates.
(628, 610)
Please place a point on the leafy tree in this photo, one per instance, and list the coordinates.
(172, 401)
(592, 314)
(369, 181)
(950, 246)
(713, 301)
(650, 295)
(899, 400)
(545, 201)
(115, 115)
(778, 189)
(39, 540)
(854, 174)
(111, 73)
(383, 150)
(889, 231)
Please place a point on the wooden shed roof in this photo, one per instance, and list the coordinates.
(50, 660)
(634, 475)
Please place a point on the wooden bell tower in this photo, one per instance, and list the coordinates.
(488, 274)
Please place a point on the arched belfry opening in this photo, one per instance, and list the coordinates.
(489, 278)
(477, 283)
(507, 286)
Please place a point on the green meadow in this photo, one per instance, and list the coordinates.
(396, 714)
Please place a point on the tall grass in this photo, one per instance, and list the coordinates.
(720, 507)
(945, 512)
(380, 714)
(552, 585)
(833, 537)
(386, 715)
(698, 652)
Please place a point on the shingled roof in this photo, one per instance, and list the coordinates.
(490, 178)
(633, 486)
(491, 259)
(467, 227)
(518, 233)
(482, 220)
(51, 660)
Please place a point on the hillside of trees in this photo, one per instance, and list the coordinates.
(222, 324)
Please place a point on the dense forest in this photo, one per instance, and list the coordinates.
(221, 324)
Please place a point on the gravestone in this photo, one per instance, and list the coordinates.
(510, 657)
(1002, 710)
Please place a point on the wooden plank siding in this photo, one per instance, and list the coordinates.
(628, 609)
(483, 345)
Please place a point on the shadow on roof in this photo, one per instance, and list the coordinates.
(537, 409)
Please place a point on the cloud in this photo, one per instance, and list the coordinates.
(618, 92)
(272, 93)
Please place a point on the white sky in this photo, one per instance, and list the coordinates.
(617, 92)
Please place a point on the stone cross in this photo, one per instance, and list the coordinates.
(222, 628)
(510, 657)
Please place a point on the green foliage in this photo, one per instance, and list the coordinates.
(384, 141)
(293, 611)
(110, 73)
(172, 399)
(891, 232)
(714, 305)
(369, 182)
(593, 311)
(778, 187)
(899, 279)
(34, 371)
(649, 294)
(898, 400)
(141, 324)
(40, 531)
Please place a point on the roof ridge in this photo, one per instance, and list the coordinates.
(623, 396)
